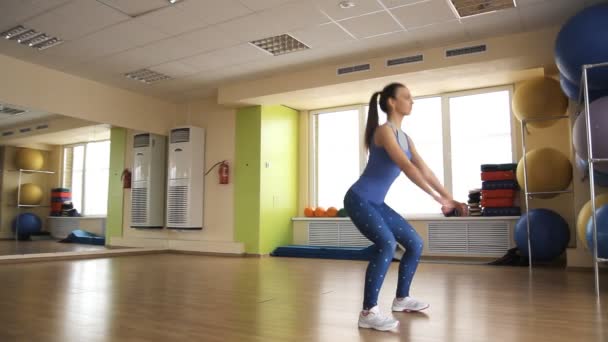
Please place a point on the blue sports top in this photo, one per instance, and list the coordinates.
(381, 171)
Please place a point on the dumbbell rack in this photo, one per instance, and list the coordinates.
(584, 95)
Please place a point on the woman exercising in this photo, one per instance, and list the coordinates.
(390, 152)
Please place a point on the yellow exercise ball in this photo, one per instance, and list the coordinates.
(585, 214)
(539, 98)
(31, 194)
(548, 170)
(28, 159)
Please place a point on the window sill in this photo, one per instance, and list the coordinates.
(79, 217)
(420, 217)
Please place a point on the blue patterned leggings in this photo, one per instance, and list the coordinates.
(384, 227)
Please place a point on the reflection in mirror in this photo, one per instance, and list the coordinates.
(54, 181)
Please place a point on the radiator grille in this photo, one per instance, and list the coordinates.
(489, 238)
(177, 205)
(139, 205)
(341, 234)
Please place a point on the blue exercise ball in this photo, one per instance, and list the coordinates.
(28, 224)
(602, 232)
(572, 90)
(584, 40)
(549, 234)
(600, 178)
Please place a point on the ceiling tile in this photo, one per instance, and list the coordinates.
(493, 24)
(225, 57)
(172, 21)
(332, 8)
(424, 13)
(249, 28)
(120, 37)
(554, 12)
(259, 5)
(175, 69)
(120, 63)
(440, 34)
(213, 11)
(294, 15)
(76, 19)
(322, 35)
(13, 12)
(524, 3)
(371, 25)
(135, 7)
(398, 3)
(179, 47)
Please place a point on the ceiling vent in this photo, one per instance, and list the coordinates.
(147, 76)
(469, 50)
(280, 45)
(468, 8)
(354, 68)
(404, 60)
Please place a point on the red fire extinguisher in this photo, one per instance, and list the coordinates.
(224, 172)
(126, 179)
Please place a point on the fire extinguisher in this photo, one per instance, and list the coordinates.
(126, 179)
(223, 171)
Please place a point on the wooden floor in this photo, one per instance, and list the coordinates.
(170, 297)
(12, 247)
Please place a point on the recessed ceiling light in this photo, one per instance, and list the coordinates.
(27, 35)
(280, 45)
(47, 44)
(346, 4)
(147, 76)
(173, 1)
(31, 38)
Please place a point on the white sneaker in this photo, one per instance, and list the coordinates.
(409, 304)
(376, 320)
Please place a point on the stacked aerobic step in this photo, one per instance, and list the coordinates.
(474, 202)
(499, 190)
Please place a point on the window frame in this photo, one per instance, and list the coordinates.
(446, 135)
(84, 172)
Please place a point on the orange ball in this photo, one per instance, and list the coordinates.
(309, 212)
(332, 212)
(320, 212)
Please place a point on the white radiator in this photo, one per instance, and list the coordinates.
(337, 233)
(491, 238)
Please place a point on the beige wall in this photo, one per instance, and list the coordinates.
(321, 85)
(218, 232)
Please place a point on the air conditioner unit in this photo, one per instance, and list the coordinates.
(148, 182)
(186, 180)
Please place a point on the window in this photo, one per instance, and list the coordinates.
(86, 171)
(480, 133)
(454, 133)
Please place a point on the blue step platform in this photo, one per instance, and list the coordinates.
(324, 252)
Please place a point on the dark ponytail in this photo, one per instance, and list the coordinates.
(372, 119)
(372, 114)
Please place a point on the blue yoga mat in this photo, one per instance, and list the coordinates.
(80, 236)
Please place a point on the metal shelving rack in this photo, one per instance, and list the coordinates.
(591, 161)
(529, 194)
(19, 205)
